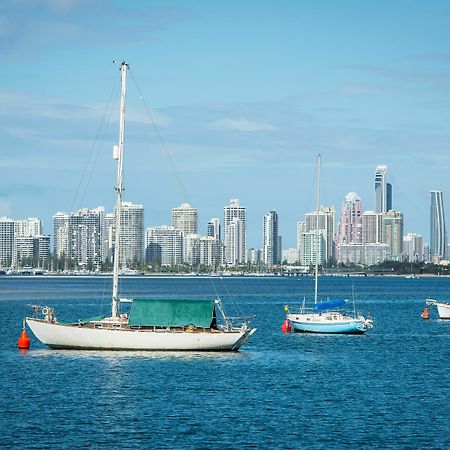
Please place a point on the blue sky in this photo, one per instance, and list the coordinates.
(244, 94)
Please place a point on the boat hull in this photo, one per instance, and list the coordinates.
(60, 336)
(443, 310)
(311, 323)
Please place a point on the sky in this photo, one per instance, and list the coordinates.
(242, 95)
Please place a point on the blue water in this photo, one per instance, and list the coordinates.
(386, 389)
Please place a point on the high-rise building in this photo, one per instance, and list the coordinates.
(110, 230)
(326, 222)
(131, 234)
(375, 253)
(61, 234)
(271, 250)
(235, 252)
(191, 249)
(392, 234)
(213, 228)
(301, 228)
(313, 245)
(254, 256)
(351, 253)
(28, 227)
(235, 232)
(413, 247)
(388, 196)
(381, 189)
(438, 230)
(211, 251)
(350, 224)
(184, 218)
(164, 246)
(79, 235)
(371, 227)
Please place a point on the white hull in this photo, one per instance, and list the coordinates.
(56, 335)
(443, 308)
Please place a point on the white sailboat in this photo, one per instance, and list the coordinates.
(325, 317)
(443, 309)
(152, 324)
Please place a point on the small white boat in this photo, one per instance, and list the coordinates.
(442, 308)
(152, 324)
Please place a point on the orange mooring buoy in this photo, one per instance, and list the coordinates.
(425, 314)
(24, 341)
(286, 327)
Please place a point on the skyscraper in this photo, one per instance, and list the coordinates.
(131, 233)
(326, 222)
(392, 233)
(6, 241)
(381, 190)
(184, 218)
(438, 231)
(350, 224)
(271, 251)
(213, 228)
(164, 245)
(235, 252)
(235, 232)
(79, 235)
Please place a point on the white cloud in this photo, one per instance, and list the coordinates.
(241, 124)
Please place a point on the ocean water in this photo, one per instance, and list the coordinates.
(386, 389)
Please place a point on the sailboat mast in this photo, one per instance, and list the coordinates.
(317, 246)
(118, 154)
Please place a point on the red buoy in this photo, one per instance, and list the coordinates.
(286, 327)
(425, 314)
(24, 341)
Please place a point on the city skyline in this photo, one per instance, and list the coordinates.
(242, 113)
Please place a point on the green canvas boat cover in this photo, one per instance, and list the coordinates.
(172, 313)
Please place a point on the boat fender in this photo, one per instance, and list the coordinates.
(44, 310)
(286, 327)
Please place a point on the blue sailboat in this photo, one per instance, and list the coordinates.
(326, 317)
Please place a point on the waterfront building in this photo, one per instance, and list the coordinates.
(383, 190)
(235, 220)
(42, 246)
(79, 235)
(375, 253)
(426, 253)
(185, 218)
(313, 246)
(211, 252)
(164, 246)
(61, 234)
(28, 227)
(413, 247)
(254, 256)
(301, 228)
(350, 224)
(131, 234)
(438, 230)
(271, 240)
(235, 242)
(191, 249)
(291, 256)
(392, 234)
(326, 223)
(351, 253)
(213, 228)
(371, 227)
(110, 230)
